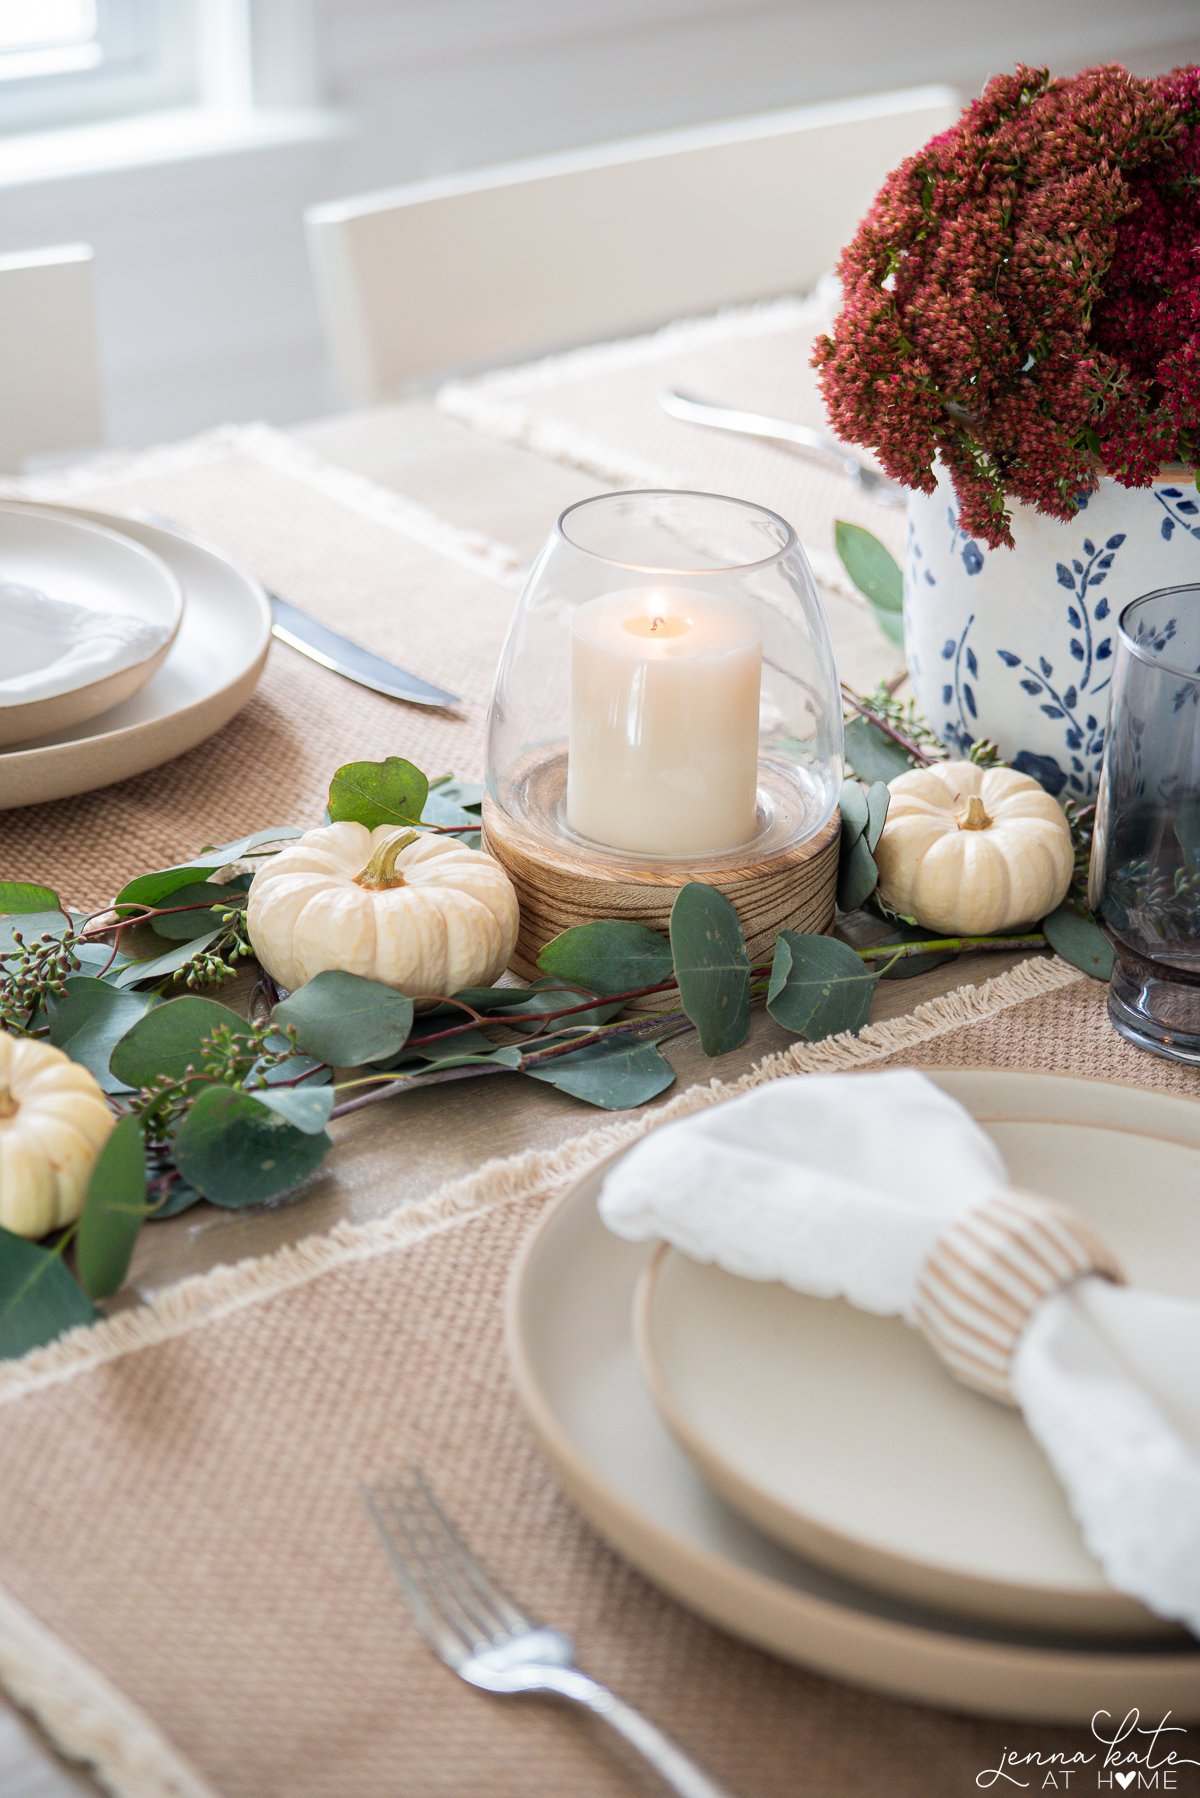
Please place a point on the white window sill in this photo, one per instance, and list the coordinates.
(160, 137)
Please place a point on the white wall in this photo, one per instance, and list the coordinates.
(206, 311)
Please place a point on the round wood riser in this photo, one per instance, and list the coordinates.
(791, 889)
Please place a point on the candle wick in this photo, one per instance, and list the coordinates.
(654, 624)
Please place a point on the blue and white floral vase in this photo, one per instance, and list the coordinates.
(1017, 645)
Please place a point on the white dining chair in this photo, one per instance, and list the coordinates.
(50, 396)
(487, 266)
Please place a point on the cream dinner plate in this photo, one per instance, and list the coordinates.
(1133, 1159)
(211, 670)
(96, 570)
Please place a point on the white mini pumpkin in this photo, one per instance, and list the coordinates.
(971, 851)
(54, 1121)
(418, 912)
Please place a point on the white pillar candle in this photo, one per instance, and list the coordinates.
(663, 752)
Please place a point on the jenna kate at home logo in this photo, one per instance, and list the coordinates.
(1130, 1756)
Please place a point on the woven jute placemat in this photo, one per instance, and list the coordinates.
(369, 563)
(600, 410)
(190, 1594)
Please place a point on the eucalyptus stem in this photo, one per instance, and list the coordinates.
(951, 945)
(907, 744)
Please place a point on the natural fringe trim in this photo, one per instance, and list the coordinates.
(212, 1296)
(495, 404)
(470, 549)
(88, 1718)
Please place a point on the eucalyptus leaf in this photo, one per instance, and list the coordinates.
(306, 1107)
(89, 1020)
(237, 1151)
(183, 926)
(113, 1211)
(855, 816)
(504, 1058)
(153, 889)
(465, 793)
(168, 1039)
(872, 753)
(611, 955)
(180, 1197)
(25, 896)
(876, 573)
(878, 799)
(375, 793)
(711, 966)
(165, 966)
(1080, 941)
(858, 875)
(31, 925)
(819, 987)
(613, 1075)
(38, 1297)
(345, 1019)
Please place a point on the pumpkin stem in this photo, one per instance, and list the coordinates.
(381, 871)
(9, 1106)
(975, 817)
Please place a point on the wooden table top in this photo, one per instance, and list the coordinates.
(513, 496)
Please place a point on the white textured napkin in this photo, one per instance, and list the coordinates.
(842, 1186)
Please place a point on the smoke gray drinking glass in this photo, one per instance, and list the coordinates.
(1144, 882)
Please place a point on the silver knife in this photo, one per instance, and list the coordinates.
(316, 641)
(300, 630)
(783, 430)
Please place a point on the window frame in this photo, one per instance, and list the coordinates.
(148, 60)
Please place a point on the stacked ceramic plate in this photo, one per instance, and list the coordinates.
(122, 644)
(808, 1476)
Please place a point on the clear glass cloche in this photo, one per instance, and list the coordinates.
(667, 689)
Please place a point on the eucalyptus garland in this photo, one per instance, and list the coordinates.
(228, 1100)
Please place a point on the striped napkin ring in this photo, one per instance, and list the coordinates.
(987, 1273)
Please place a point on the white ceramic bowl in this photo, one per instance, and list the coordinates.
(88, 566)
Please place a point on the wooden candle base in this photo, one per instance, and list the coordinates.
(787, 888)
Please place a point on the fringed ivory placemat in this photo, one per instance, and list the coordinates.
(191, 1597)
(368, 562)
(598, 409)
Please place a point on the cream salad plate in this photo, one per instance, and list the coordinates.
(86, 617)
(790, 1526)
(206, 676)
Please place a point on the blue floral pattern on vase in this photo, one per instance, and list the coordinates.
(1018, 646)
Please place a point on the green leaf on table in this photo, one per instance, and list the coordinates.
(38, 1297)
(345, 1019)
(169, 1039)
(877, 575)
(152, 889)
(872, 753)
(855, 816)
(165, 966)
(89, 1020)
(31, 925)
(183, 926)
(878, 800)
(24, 896)
(114, 1211)
(819, 986)
(465, 793)
(858, 875)
(612, 1075)
(305, 1107)
(237, 1151)
(1080, 941)
(504, 1058)
(711, 966)
(612, 955)
(375, 793)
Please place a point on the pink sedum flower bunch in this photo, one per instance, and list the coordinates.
(1022, 301)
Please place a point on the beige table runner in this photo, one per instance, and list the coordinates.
(190, 1594)
(598, 409)
(366, 562)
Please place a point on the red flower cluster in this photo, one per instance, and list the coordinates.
(1022, 301)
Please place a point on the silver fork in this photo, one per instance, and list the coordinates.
(482, 1633)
